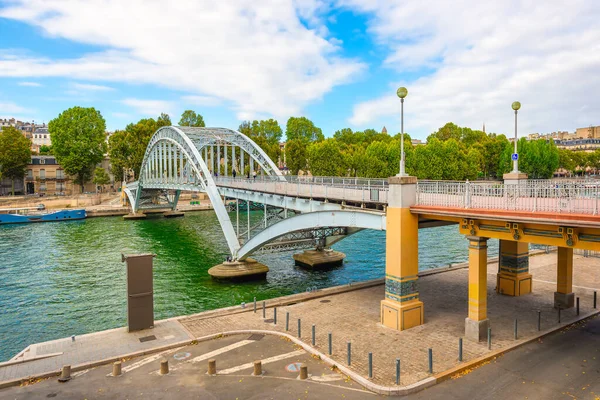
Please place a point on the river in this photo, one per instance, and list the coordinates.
(67, 278)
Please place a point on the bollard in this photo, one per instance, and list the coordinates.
(212, 367)
(314, 338)
(559, 315)
(255, 305)
(516, 328)
(303, 371)
(577, 302)
(287, 321)
(65, 375)
(275, 315)
(594, 299)
(489, 338)
(264, 310)
(430, 361)
(330, 343)
(460, 349)
(299, 327)
(397, 371)
(539, 321)
(349, 353)
(73, 337)
(370, 365)
(257, 368)
(164, 367)
(116, 368)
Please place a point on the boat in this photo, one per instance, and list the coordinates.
(38, 214)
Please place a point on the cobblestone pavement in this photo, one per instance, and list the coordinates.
(354, 317)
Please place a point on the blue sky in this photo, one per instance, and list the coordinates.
(337, 62)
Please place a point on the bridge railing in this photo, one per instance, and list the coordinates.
(358, 190)
(579, 197)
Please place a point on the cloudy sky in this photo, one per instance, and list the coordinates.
(337, 62)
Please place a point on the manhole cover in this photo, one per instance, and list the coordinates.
(256, 336)
(269, 320)
(295, 367)
(182, 355)
(325, 301)
(147, 338)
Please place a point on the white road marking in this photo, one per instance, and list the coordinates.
(79, 373)
(265, 361)
(147, 360)
(327, 378)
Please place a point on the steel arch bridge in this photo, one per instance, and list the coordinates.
(200, 159)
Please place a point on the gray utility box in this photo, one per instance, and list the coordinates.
(140, 291)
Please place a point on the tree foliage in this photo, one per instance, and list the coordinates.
(15, 154)
(101, 177)
(303, 129)
(266, 134)
(189, 118)
(295, 151)
(78, 141)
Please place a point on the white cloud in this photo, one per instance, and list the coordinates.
(30, 84)
(90, 87)
(121, 115)
(257, 56)
(201, 100)
(8, 108)
(482, 56)
(149, 108)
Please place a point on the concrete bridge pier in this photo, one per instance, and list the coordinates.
(477, 323)
(239, 270)
(564, 296)
(319, 258)
(401, 309)
(513, 277)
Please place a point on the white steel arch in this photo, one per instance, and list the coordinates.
(319, 219)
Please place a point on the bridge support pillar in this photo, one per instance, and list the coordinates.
(477, 323)
(564, 296)
(513, 277)
(401, 309)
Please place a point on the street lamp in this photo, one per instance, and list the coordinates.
(402, 92)
(516, 106)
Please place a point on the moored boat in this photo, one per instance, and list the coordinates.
(25, 215)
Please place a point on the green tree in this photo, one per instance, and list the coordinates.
(119, 152)
(303, 129)
(565, 160)
(325, 159)
(190, 118)
(15, 154)
(266, 134)
(101, 178)
(165, 120)
(295, 151)
(45, 150)
(78, 141)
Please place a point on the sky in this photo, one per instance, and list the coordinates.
(336, 62)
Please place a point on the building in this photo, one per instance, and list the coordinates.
(591, 132)
(587, 145)
(41, 136)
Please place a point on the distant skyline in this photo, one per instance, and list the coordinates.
(336, 62)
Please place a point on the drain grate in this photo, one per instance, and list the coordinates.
(51, 395)
(147, 338)
(256, 336)
(325, 301)
(271, 320)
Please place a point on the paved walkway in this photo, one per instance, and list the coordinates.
(354, 316)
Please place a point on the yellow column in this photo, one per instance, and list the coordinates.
(401, 309)
(513, 277)
(564, 296)
(476, 324)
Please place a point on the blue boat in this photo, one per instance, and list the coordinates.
(62, 215)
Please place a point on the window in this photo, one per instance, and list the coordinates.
(60, 186)
(60, 174)
(30, 174)
(42, 174)
(42, 161)
(43, 187)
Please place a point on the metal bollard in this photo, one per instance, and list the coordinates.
(330, 343)
(577, 302)
(349, 353)
(212, 367)
(299, 327)
(275, 315)
(594, 299)
(255, 305)
(257, 368)
(264, 310)
(164, 367)
(303, 371)
(539, 321)
(430, 361)
(559, 315)
(516, 327)
(460, 349)
(397, 371)
(65, 374)
(489, 338)
(287, 321)
(314, 338)
(370, 365)
(116, 368)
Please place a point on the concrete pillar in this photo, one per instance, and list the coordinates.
(477, 323)
(564, 297)
(513, 277)
(401, 309)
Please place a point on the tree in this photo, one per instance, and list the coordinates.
(45, 150)
(266, 134)
(325, 159)
(78, 141)
(101, 178)
(303, 129)
(119, 152)
(190, 118)
(15, 154)
(295, 151)
(165, 120)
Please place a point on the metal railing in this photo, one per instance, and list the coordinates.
(579, 197)
(359, 190)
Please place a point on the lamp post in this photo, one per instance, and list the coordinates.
(402, 92)
(516, 106)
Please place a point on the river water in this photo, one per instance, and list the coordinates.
(67, 278)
